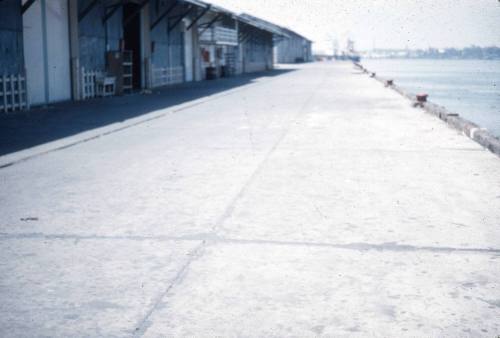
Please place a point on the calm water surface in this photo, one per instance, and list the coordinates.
(470, 88)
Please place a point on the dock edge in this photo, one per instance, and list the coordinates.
(468, 128)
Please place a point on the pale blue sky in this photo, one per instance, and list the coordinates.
(385, 23)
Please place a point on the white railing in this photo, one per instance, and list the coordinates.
(226, 36)
(89, 83)
(13, 93)
(207, 35)
(163, 76)
(220, 35)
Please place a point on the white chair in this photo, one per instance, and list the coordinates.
(105, 86)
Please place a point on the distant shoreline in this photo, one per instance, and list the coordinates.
(428, 58)
(468, 53)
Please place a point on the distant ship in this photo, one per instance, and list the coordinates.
(350, 53)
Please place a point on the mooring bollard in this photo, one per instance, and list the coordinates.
(373, 74)
(389, 83)
(421, 98)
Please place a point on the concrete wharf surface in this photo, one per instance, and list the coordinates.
(314, 203)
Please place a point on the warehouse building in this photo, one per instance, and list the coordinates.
(256, 44)
(60, 50)
(289, 46)
(295, 48)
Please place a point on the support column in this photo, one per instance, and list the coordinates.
(239, 59)
(270, 59)
(74, 49)
(146, 81)
(45, 52)
(196, 53)
(241, 46)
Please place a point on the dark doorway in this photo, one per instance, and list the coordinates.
(132, 39)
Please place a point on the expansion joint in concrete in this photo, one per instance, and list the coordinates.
(230, 208)
(144, 323)
(214, 239)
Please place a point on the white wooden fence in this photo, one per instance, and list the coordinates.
(89, 83)
(13, 93)
(167, 76)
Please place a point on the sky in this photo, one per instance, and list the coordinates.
(382, 23)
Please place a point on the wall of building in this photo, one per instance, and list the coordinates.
(167, 41)
(46, 51)
(159, 36)
(11, 38)
(309, 53)
(293, 49)
(97, 37)
(176, 45)
(168, 46)
(257, 50)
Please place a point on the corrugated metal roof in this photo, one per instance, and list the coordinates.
(198, 3)
(245, 18)
(262, 24)
(213, 8)
(291, 32)
(285, 32)
(242, 18)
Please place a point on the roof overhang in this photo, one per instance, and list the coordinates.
(213, 8)
(262, 25)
